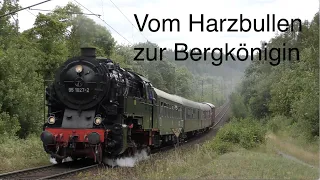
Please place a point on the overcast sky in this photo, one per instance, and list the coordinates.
(180, 9)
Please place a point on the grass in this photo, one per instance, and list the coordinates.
(229, 161)
(196, 162)
(202, 163)
(18, 154)
(242, 149)
(308, 153)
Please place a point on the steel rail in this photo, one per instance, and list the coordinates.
(25, 171)
(224, 107)
(60, 175)
(42, 172)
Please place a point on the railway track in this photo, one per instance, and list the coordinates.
(72, 168)
(57, 171)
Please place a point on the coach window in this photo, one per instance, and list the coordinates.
(172, 111)
(143, 95)
(149, 94)
(177, 111)
(193, 114)
(161, 109)
(192, 111)
(187, 113)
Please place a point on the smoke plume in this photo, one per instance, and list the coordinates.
(127, 161)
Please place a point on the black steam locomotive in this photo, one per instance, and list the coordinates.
(96, 109)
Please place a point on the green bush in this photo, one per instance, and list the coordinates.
(220, 146)
(16, 153)
(247, 133)
(279, 123)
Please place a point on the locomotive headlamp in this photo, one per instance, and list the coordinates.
(79, 68)
(97, 120)
(51, 120)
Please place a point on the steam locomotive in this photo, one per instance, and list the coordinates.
(97, 109)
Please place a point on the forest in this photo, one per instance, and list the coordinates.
(284, 97)
(29, 59)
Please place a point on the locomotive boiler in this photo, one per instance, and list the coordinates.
(97, 109)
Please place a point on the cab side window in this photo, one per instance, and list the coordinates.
(149, 92)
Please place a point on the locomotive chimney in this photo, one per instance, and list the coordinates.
(88, 52)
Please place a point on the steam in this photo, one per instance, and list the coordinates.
(122, 162)
(127, 161)
(53, 160)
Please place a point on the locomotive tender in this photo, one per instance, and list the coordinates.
(97, 109)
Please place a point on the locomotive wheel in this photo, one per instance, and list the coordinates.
(59, 161)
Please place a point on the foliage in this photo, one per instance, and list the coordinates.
(288, 92)
(247, 133)
(22, 153)
(238, 107)
(280, 122)
(21, 87)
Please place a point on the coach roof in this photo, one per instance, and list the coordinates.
(168, 96)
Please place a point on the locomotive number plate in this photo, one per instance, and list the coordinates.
(79, 90)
